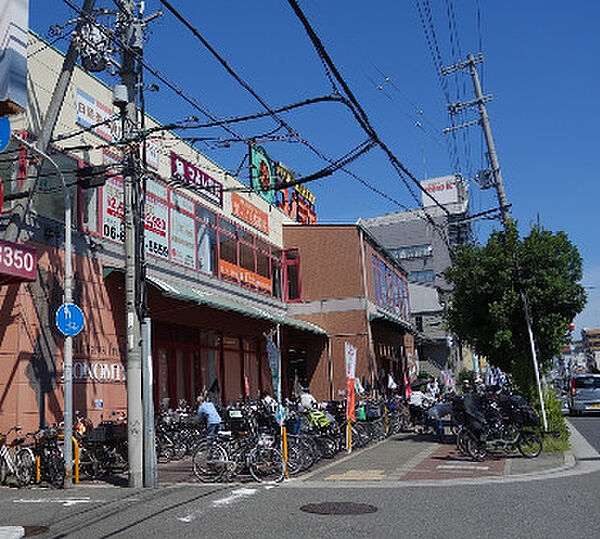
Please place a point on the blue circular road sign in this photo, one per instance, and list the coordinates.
(69, 319)
(4, 133)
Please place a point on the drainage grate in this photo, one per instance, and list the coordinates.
(338, 508)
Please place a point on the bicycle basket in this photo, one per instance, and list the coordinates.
(266, 440)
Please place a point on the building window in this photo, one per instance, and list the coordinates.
(412, 251)
(425, 276)
(292, 275)
(390, 289)
(419, 323)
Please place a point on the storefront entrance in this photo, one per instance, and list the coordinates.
(190, 361)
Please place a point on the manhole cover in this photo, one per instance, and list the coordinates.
(30, 531)
(338, 508)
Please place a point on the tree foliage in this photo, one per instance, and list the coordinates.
(487, 309)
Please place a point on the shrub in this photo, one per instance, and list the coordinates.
(558, 440)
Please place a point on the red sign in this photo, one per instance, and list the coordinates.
(250, 213)
(18, 262)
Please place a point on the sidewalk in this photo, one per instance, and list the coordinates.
(405, 457)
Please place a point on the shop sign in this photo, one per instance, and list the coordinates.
(112, 210)
(262, 179)
(156, 228)
(249, 213)
(244, 276)
(299, 204)
(84, 371)
(17, 261)
(91, 112)
(287, 176)
(191, 176)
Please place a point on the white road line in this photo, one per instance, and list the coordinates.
(461, 467)
(66, 502)
(12, 532)
(235, 496)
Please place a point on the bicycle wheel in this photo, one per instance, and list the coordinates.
(529, 444)
(209, 462)
(24, 467)
(266, 465)
(476, 449)
(53, 466)
(3, 471)
(89, 466)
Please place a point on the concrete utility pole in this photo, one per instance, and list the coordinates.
(132, 41)
(484, 121)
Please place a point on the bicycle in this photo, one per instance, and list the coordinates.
(21, 465)
(50, 457)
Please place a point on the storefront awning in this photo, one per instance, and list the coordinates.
(381, 315)
(212, 300)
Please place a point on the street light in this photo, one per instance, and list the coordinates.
(68, 288)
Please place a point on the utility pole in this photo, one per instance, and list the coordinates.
(480, 100)
(131, 36)
(56, 101)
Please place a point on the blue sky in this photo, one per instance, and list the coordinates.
(540, 65)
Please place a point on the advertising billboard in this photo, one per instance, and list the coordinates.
(14, 26)
(444, 190)
(90, 112)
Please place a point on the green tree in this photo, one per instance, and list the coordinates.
(487, 310)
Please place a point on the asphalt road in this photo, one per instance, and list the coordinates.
(589, 427)
(561, 507)
(562, 504)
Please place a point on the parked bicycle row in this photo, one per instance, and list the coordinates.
(490, 421)
(32, 458)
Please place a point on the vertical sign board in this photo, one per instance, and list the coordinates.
(156, 227)
(14, 25)
(183, 228)
(262, 179)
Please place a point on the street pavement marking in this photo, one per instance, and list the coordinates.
(464, 466)
(67, 502)
(12, 532)
(357, 475)
(235, 496)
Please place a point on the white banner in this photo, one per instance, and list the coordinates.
(350, 360)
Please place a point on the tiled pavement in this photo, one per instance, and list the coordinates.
(405, 458)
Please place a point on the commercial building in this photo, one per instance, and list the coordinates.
(216, 265)
(352, 288)
(229, 272)
(421, 241)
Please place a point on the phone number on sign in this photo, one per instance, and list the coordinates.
(157, 249)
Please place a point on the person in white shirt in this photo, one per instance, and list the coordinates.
(307, 400)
